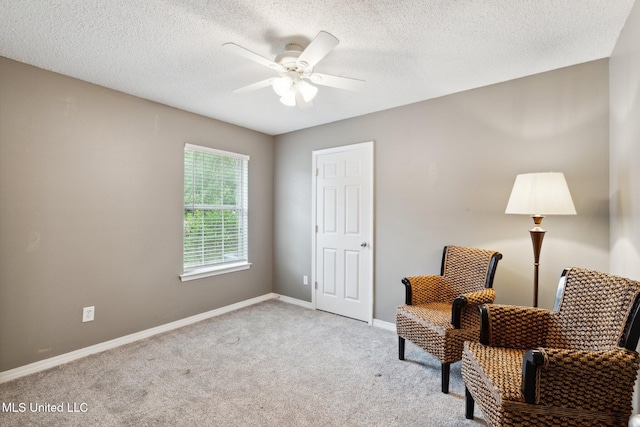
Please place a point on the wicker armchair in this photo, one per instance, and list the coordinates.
(573, 366)
(440, 312)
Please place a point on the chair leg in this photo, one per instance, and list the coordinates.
(445, 378)
(400, 348)
(469, 404)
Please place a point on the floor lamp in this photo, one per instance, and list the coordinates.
(539, 194)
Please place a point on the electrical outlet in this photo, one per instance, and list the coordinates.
(305, 280)
(88, 313)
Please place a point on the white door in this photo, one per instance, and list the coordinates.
(343, 243)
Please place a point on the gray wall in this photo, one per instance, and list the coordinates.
(91, 214)
(444, 170)
(624, 167)
(624, 77)
(90, 199)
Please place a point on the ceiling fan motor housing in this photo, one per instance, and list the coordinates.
(289, 60)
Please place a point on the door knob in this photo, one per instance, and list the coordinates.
(363, 244)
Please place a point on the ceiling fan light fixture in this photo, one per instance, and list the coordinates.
(289, 98)
(283, 85)
(308, 91)
(286, 88)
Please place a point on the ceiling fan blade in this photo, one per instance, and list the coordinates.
(300, 101)
(254, 86)
(318, 49)
(246, 53)
(337, 81)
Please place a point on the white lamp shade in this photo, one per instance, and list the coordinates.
(289, 98)
(286, 88)
(543, 193)
(282, 85)
(308, 91)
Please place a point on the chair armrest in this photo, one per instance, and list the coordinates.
(592, 380)
(422, 289)
(485, 296)
(530, 362)
(470, 301)
(513, 326)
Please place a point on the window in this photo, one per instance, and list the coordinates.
(215, 212)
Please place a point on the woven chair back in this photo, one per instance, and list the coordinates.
(593, 311)
(466, 269)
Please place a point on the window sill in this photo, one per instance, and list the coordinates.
(199, 273)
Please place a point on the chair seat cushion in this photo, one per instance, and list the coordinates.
(433, 315)
(429, 327)
(493, 370)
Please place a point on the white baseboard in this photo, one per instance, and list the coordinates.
(376, 323)
(384, 325)
(117, 342)
(52, 362)
(294, 301)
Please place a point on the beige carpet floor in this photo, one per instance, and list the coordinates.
(271, 364)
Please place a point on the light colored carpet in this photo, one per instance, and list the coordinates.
(271, 364)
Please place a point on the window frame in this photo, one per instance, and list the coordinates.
(200, 271)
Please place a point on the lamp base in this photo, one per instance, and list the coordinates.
(537, 234)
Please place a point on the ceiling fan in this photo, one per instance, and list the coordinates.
(295, 67)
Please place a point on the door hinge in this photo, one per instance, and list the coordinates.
(316, 228)
(316, 285)
(317, 172)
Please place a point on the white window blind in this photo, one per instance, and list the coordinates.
(215, 208)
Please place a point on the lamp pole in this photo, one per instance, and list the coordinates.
(537, 234)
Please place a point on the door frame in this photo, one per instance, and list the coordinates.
(371, 244)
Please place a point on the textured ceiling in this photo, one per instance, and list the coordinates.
(170, 51)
